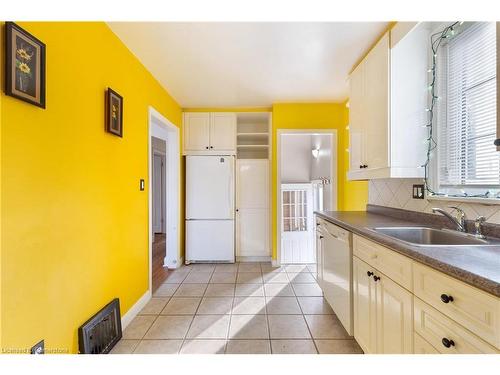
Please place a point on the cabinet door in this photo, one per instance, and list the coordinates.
(252, 232)
(196, 131)
(365, 322)
(252, 181)
(319, 256)
(356, 118)
(223, 132)
(376, 105)
(394, 317)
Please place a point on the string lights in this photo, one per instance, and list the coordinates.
(436, 40)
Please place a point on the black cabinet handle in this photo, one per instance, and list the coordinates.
(365, 166)
(206, 147)
(321, 237)
(376, 278)
(446, 298)
(211, 147)
(447, 343)
(369, 273)
(360, 166)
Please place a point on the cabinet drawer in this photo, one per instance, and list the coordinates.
(420, 346)
(394, 265)
(434, 327)
(474, 309)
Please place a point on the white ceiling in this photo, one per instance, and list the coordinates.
(249, 64)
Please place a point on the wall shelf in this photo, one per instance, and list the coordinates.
(252, 136)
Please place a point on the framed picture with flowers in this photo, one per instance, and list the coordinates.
(114, 112)
(24, 65)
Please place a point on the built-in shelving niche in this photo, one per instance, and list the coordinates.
(253, 136)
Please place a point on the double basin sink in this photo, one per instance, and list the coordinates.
(422, 236)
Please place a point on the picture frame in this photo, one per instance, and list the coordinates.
(114, 112)
(24, 65)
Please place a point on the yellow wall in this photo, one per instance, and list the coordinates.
(351, 195)
(74, 224)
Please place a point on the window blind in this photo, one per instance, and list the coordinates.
(467, 109)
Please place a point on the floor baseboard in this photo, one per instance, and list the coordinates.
(253, 259)
(135, 309)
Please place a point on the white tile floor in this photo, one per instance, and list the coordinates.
(244, 308)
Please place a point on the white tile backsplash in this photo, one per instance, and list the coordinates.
(397, 193)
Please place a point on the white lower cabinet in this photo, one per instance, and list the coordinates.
(320, 236)
(365, 306)
(383, 312)
(394, 317)
(424, 312)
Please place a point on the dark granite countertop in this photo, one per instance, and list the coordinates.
(476, 265)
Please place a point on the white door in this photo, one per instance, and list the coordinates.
(223, 132)
(252, 205)
(158, 193)
(197, 131)
(297, 232)
(209, 187)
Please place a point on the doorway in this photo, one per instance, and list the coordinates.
(307, 170)
(159, 271)
(164, 198)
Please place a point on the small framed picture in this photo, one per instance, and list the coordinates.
(24, 65)
(114, 113)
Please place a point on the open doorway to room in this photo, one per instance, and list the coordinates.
(164, 200)
(159, 207)
(307, 182)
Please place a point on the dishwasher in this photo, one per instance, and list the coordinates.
(336, 273)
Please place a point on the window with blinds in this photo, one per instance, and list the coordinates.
(467, 158)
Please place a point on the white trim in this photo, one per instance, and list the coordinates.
(162, 128)
(334, 184)
(478, 200)
(135, 309)
(253, 259)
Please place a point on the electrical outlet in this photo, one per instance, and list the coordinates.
(418, 192)
(38, 348)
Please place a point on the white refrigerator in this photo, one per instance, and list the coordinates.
(210, 209)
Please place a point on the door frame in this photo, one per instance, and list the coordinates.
(162, 128)
(334, 184)
(163, 182)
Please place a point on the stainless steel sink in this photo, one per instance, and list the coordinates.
(422, 236)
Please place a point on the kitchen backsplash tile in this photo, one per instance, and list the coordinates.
(397, 193)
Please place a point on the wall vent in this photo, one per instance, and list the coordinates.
(101, 332)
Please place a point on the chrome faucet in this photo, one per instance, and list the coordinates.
(478, 223)
(459, 221)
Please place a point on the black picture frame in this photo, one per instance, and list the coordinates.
(24, 65)
(114, 112)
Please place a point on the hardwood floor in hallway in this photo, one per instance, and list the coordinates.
(160, 273)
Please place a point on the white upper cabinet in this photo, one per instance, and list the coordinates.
(209, 133)
(387, 108)
(223, 132)
(196, 131)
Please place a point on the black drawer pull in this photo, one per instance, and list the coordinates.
(321, 237)
(369, 273)
(446, 298)
(376, 278)
(447, 343)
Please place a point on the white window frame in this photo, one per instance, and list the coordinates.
(449, 193)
